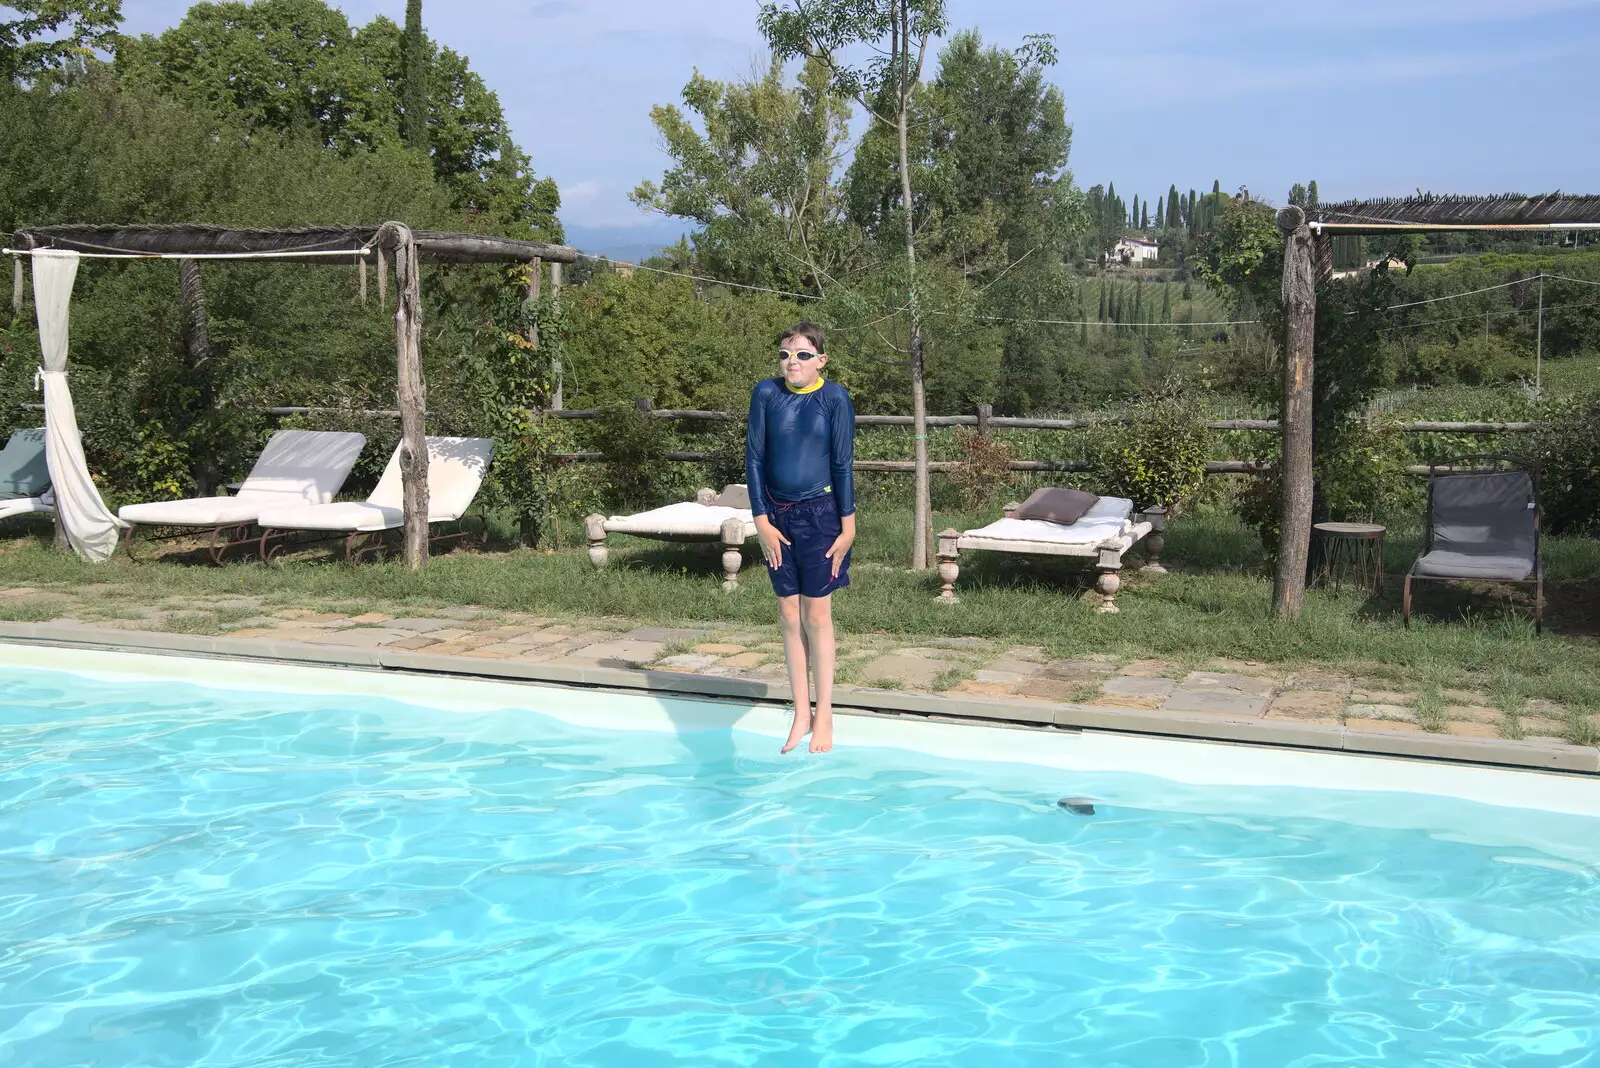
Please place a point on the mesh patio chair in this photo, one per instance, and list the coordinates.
(1483, 526)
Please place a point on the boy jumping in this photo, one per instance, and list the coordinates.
(798, 460)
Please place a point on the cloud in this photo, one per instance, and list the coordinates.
(579, 193)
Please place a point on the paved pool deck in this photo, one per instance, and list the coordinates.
(952, 679)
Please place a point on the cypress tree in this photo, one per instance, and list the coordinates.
(414, 79)
(1173, 219)
(1188, 290)
(1145, 219)
(1216, 187)
(1312, 201)
(1138, 301)
(1166, 303)
(1101, 314)
(1134, 216)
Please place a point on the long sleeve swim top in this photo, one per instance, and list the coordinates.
(800, 445)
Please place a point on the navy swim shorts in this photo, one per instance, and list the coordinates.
(811, 527)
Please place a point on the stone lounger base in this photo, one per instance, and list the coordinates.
(1107, 560)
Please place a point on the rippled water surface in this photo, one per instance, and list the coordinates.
(198, 878)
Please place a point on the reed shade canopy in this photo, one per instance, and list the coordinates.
(1308, 262)
(380, 246)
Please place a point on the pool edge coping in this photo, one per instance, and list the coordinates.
(976, 710)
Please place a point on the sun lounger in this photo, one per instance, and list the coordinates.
(1483, 525)
(1104, 533)
(297, 466)
(711, 518)
(25, 475)
(456, 467)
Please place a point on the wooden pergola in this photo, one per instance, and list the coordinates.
(1307, 261)
(390, 242)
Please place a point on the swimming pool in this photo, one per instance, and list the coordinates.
(216, 864)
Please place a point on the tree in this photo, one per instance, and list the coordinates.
(89, 25)
(1174, 219)
(1133, 217)
(993, 193)
(760, 181)
(1297, 195)
(1312, 200)
(899, 31)
(296, 66)
(414, 79)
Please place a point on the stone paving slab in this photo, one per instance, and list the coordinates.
(1224, 702)
(1139, 686)
(1307, 704)
(666, 635)
(365, 637)
(912, 670)
(1227, 681)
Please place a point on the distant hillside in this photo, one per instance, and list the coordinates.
(630, 243)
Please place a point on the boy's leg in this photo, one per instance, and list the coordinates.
(794, 655)
(817, 616)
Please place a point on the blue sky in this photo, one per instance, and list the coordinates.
(1369, 97)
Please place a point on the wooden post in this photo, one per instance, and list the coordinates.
(16, 285)
(985, 413)
(643, 404)
(555, 361)
(535, 270)
(410, 392)
(362, 263)
(383, 279)
(1300, 327)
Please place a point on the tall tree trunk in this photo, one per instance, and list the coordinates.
(410, 393)
(922, 519)
(414, 80)
(1300, 324)
(197, 343)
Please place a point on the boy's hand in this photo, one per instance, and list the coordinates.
(772, 541)
(841, 544)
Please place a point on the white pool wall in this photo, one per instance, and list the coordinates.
(1550, 811)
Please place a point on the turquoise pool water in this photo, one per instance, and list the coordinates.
(204, 878)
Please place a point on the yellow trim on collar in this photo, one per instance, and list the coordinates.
(809, 389)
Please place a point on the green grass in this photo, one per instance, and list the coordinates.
(1214, 603)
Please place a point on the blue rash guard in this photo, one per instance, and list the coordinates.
(800, 445)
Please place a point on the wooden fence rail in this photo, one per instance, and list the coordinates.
(982, 420)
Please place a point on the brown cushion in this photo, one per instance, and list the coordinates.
(1056, 505)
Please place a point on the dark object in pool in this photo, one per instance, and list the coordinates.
(1078, 806)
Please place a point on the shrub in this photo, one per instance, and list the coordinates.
(633, 443)
(1159, 456)
(530, 478)
(1567, 448)
(1361, 474)
(984, 469)
(1472, 361)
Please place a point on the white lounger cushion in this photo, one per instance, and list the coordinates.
(456, 467)
(688, 518)
(1108, 521)
(297, 466)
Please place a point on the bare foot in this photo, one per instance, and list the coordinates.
(822, 734)
(802, 727)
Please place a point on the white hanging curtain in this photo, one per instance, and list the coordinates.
(89, 525)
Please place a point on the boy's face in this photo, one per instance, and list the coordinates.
(801, 362)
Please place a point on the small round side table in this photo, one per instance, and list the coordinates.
(1351, 552)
